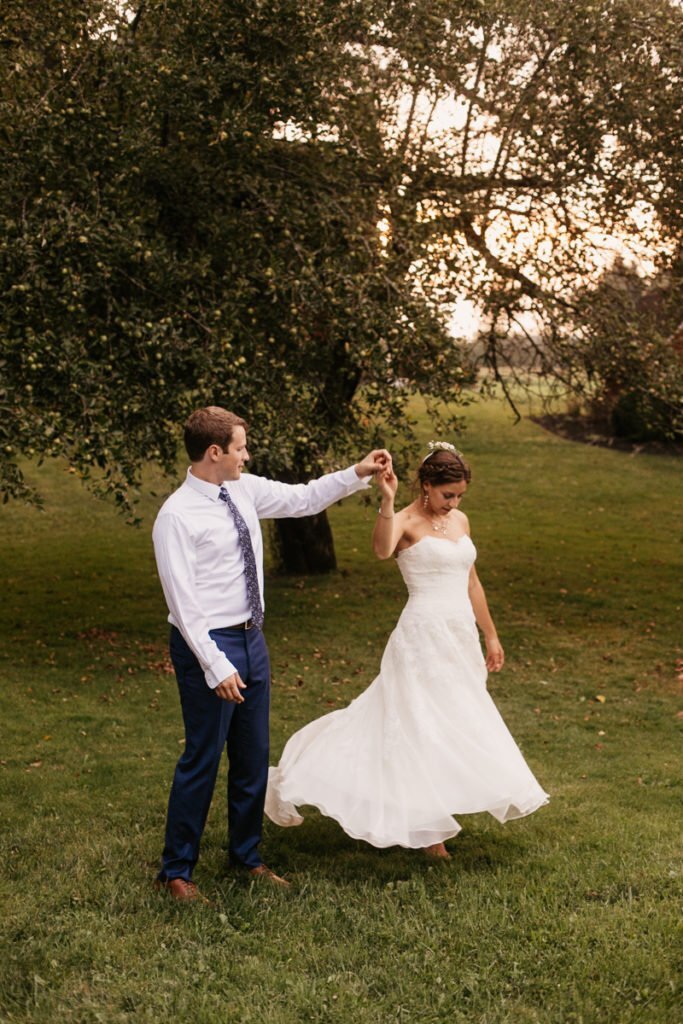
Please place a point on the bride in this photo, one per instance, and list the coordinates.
(424, 741)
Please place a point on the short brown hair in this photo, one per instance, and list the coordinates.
(443, 467)
(208, 426)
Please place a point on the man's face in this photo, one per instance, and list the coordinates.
(233, 461)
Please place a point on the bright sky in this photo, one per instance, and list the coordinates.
(443, 123)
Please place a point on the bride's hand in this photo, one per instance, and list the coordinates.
(495, 656)
(387, 482)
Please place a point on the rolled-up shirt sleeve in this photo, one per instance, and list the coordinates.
(176, 565)
(275, 500)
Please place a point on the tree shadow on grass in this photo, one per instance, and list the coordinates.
(594, 431)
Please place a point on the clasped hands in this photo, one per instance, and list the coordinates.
(378, 461)
(379, 464)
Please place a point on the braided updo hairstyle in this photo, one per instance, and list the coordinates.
(443, 467)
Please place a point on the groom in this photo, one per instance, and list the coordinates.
(209, 553)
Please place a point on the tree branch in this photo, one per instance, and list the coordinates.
(138, 15)
(529, 287)
(473, 96)
(524, 95)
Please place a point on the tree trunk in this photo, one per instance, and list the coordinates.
(305, 545)
(300, 545)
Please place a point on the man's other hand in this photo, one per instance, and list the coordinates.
(230, 689)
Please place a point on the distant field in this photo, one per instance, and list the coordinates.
(571, 916)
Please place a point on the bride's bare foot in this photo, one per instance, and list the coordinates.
(437, 851)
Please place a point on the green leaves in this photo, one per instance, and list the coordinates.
(191, 210)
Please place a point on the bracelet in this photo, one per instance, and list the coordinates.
(380, 513)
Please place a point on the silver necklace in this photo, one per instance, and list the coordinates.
(435, 523)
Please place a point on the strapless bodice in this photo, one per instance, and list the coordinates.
(437, 571)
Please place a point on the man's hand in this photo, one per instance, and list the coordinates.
(376, 462)
(230, 688)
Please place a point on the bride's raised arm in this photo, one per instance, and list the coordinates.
(389, 524)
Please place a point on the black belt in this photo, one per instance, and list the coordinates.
(242, 625)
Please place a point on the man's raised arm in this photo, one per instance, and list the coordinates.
(275, 500)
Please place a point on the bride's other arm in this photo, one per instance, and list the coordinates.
(495, 655)
(388, 525)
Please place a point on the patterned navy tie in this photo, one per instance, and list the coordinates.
(250, 573)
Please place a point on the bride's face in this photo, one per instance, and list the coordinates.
(444, 497)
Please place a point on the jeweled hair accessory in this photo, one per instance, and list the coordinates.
(444, 446)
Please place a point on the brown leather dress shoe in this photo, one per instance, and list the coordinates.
(181, 889)
(264, 874)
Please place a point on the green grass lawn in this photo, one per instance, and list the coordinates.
(570, 915)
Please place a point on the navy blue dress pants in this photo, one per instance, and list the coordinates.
(212, 724)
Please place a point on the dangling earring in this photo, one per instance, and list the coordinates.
(425, 503)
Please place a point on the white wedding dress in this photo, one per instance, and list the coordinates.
(424, 741)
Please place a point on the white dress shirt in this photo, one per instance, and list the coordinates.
(199, 558)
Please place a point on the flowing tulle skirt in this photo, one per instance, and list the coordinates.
(424, 742)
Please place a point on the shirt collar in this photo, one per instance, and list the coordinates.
(204, 487)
